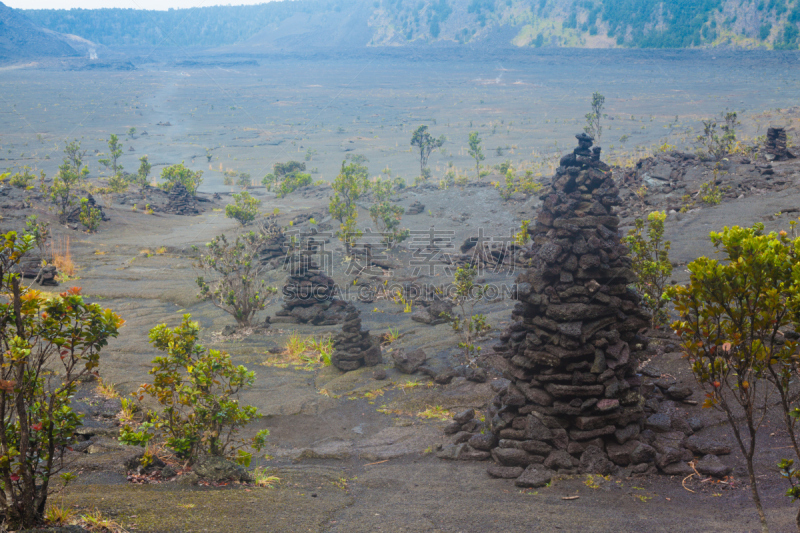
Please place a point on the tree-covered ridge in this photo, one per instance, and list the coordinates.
(539, 23)
(200, 26)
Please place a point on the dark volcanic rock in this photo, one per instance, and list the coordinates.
(409, 362)
(535, 476)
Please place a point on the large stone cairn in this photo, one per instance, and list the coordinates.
(568, 349)
(354, 347)
(776, 144)
(180, 202)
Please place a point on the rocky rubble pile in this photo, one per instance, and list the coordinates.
(309, 294)
(570, 402)
(354, 347)
(180, 202)
(776, 145)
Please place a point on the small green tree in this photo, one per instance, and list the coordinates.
(39, 231)
(244, 181)
(89, 216)
(718, 138)
(291, 176)
(731, 316)
(350, 185)
(386, 215)
(114, 153)
(244, 208)
(174, 174)
(198, 391)
(47, 346)
(209, 155)
(142, 175)
(232, 279)
(650, 255)
(131, 132)
(475, 151)
(70, 177)
(426, 143)
(468, 326)
(593, 127)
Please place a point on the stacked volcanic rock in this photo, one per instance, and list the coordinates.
(274, 251)
(776, 144)
(354, 347)
(180, 202)
(567, 354)
(309, 294)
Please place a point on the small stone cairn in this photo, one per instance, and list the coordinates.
(180, 202)
(776, 145)
(354, 347)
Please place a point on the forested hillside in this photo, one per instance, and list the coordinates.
(535, 23)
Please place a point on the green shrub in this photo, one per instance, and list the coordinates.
(468, 326)
(232, 275)
(174, 174)
(650, 255)
(23, 179)
(197, 390)
(732, 313)
(49, 345)
(89, 216)
(350, 185)
(292, 182)
(244, 209)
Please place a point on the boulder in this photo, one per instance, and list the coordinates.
(711, 465)
(409, 362)
(219, 469)
(535, 476)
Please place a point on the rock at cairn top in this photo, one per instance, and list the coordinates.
(567, 352)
